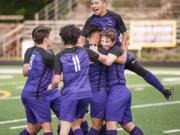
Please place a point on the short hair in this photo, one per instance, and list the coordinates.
(110, 33)
(92, 29)
(70, 34)
(39, 33)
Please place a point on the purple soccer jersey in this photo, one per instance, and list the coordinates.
(35, 90)
(53, 96)
(73, 63)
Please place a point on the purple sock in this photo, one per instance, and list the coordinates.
(93, 131)
(103, 130)
(84, 127)
(48, 133)
(111, 132)
(136, 131)
(151, 79)
(24, 132)
(78, 132)
(71, 132)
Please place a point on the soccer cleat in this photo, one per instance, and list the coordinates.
(168, 93)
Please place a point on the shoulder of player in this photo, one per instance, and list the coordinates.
(68, 50)
(115, 15)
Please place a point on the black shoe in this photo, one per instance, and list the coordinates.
(168, 93)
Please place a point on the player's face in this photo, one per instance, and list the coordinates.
(95, 38)
(106, 42)
(98, 7)
(50, 38)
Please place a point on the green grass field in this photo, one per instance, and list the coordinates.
(151, 111)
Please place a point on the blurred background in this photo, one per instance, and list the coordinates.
(154, 29)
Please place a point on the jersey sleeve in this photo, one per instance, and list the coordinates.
(27, 55)
(102, 50)
(57, 66)
(115, 50)
(93, 56)
(48, 58)
(120, 23)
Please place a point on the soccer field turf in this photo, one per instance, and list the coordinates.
(151, 111)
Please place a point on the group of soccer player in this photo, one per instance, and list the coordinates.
(91, 66)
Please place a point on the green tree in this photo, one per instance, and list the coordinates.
(22, 7)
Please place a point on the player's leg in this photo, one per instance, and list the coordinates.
(97, 109)
(84, 125)
(133, 65)
(31, 119)
(127, 121)
(67, 115)
(31, 129)
(81, 110)
(116, 105)
(65, 127)
(41, 110)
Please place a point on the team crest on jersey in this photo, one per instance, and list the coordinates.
(109, 23)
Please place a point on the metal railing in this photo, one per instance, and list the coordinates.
(10, 45)
(55, 10)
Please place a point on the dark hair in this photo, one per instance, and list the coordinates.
(39, 33)
(110, 33)
(92, 29)
(70, 34)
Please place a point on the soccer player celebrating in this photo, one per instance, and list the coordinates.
(118, 105)
(34, 94)
(107, 19)
(73, 64)
(52, 96)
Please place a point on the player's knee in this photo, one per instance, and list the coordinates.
(77, 124)
(97, 123)
(31, 128)
(111, 125)
(128, 126)
(47, 127)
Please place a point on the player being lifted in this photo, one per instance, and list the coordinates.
(107, 19)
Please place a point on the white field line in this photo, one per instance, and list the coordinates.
(133, 107)
(11, 71)
(18, 127)
(171, 131)
(17, 120)
(155, 104)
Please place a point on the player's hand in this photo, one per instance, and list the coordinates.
(94, 48)
(49, 87)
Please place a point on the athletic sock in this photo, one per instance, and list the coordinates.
(93, 131)
(78, 132)
(24, 132)
(111, 132)
(151, 79)
(136, 131)
(103, 130)
(84, 127)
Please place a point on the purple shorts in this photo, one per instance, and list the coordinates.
(55, 105)
(37, 109)
(73, 109)
(98, 103)
(119, 105)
